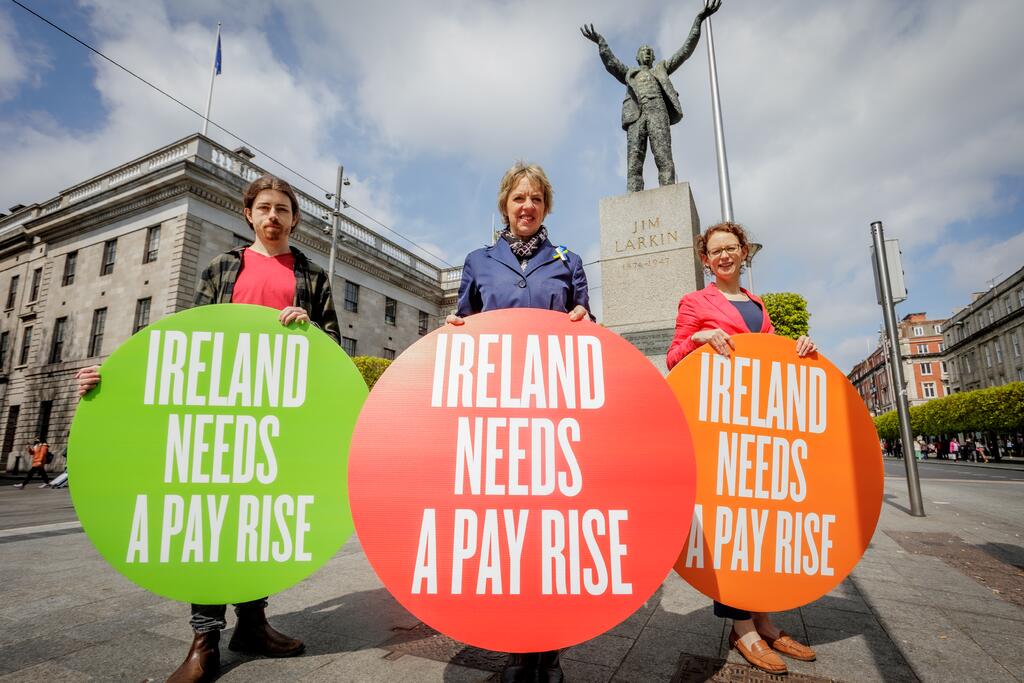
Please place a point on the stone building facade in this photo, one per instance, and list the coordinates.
(925, 367)
(985, 340)
(82, 271)
(924, 360)
(872, 379)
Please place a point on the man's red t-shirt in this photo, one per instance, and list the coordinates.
(265, 280)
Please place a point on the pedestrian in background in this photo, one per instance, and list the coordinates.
(37, 456)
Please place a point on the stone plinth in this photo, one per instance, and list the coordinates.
(648, 262)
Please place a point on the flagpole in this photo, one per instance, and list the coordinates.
(724, 190)
(213, 75)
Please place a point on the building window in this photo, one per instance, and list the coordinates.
(390, 310)
(12, 291)
(70, 261)
(351, 297)
(12, 424)
(109, 256)
(26, 344)
(37, 278)
(141, 314)
(938, 329)
(5, 342)
(928, 389)
(1014, 341)
(99, 321)
(389, 354)
(1009, 304)
(152, 244)
(999, 350)
(1020, 374)
(45, 408)
(349, 345)
(926, 368)
(918, 331)
(945, 389)
(942, 346)
(424, 322)
(1020, 297)
(942, 367)
(57, 347)
(922, 348)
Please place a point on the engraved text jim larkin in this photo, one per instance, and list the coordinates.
(647, 234)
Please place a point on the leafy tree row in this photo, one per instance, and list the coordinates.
(999, 410)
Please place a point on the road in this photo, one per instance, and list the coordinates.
(949, 471)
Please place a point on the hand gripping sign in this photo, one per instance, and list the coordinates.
(521, 482)
(209, 466)
(789, 474)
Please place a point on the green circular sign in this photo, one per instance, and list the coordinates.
(210, 465)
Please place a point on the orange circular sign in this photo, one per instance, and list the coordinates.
(521, 482)
(789, 474)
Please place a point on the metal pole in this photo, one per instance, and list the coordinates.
(899, 389)
(724, 191)
(213, 75)
(335, 226)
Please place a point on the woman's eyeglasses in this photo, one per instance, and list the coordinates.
(731, 250)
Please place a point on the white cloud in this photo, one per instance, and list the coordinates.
(972, 265)
(21, 61)
(840, 114)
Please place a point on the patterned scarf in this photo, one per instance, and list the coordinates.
(524, 249)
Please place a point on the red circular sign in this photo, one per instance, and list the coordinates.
(522, 482)
(789, 474)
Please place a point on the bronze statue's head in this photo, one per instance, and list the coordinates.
(645, 55)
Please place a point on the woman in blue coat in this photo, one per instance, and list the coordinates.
(523, 269)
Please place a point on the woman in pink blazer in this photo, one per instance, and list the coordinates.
(711, 316)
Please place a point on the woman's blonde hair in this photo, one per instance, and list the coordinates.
(521, 170)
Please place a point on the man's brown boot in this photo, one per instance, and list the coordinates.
(202, 663)
(254, 636)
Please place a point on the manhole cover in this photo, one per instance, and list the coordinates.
(694, 669)
(423, 641)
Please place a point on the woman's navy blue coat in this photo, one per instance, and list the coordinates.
(492, 279)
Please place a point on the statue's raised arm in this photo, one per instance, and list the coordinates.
(611, 62)
(683, 53)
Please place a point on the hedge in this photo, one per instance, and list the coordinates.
(371, 368)
(999, 409)
(788, 312)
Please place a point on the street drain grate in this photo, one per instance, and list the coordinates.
(423, 641)
(1003, 579)
(694, 669)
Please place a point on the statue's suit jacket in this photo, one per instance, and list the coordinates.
(631, 103)
(492, 279)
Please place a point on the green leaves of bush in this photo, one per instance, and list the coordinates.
(788, 312)
(371, 368)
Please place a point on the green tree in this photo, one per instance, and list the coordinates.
(371, 368)
(997, 410)
(788, 312)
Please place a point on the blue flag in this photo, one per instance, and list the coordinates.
(216, 60)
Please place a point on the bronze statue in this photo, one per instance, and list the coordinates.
(651, 104)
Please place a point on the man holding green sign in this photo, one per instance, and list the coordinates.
(268, 273)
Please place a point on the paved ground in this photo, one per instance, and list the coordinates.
(939, 598)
